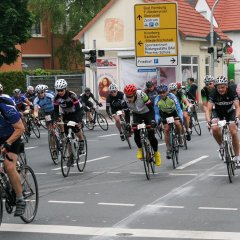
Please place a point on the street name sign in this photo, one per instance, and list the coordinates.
(156, 34)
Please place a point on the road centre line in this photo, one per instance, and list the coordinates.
(64, 202)
(192, 162)
(161, 144)
(27, 148)
(164, 206)
(92, 160)
(109, 135)
(116, 232)
(214, 208)
(117, 204)
(183, 174)
(40, 173)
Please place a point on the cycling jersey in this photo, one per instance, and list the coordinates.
(168, 106)
(116, 103)
(224, 103)
(8, 98)
(192, 92)
(8, 116)
(84, 98)
(181, 97)
(139, 106)
(45, 103)
(20, 102)
(69, 103)
(151, 94)
(30, 96)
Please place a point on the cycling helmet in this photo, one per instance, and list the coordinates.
(208, 79)
(179, 85)
(87, 89)
(172, 86)
(45, 87)
(113, 87)
(30, 88)
(60, 84)
(39, 88)
(221, 80)
(130, 89)
(1, 87)
(162, 88)
(149, 84)
(17, 90)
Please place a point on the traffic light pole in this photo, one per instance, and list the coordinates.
(212, 38)
(95, 74)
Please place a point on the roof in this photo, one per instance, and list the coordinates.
(227, 14)
(192, 2)
(192, 24)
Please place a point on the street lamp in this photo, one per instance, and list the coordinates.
(212, 38)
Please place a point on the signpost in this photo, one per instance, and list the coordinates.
(156, 34)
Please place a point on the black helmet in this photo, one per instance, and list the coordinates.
(149, 84)
(87, 89)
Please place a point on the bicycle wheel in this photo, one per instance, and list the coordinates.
(229, 162)
(146, 158)
(35, 129)
(174, 146)
(152, 160)
(102, 121)
(41, 117)
(66, 158)
(89, 125)
(30, 193)
(184, 138)
(196, 124)
(25, 137)
(159, 133)
(82, 156)
(53, 147)
(126, 133)
(1, 207)
(22, 158)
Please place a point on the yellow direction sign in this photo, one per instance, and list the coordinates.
(156, 34)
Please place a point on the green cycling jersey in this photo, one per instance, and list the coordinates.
(167, 106)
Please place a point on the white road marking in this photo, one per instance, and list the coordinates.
(117, 204)
(64, 202)
(183, 174)
(164, 206)
(115, 232)
(160, 144)
(99, 172)
(88, 161)
(214, 208)
(217, 175)
(40, 173)
(192, 162)
(114, 172)
(109, 135)
(27, 148)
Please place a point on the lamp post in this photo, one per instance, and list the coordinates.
(212, 37)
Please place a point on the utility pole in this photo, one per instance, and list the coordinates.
(212, 38)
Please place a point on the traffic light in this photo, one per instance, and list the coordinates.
(210, 50)
(101, 53)
(90, 57)
(218, 52)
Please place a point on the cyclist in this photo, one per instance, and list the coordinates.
(226, 102)
(30, 94)
(185, 106)
(71, 109)
(21, 101)
(115, 102)
(6, 95)
(167, 105)
(206, 91)
(151, 90)
(47, 90)
(192, 90)
(11, 129)
(142, 108)
(88, 105)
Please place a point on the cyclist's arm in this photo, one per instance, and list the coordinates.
(156, 109)
(209, 111)
(18, 131)
(29, 103)
(177, 104)
(108, 107)
(237, 108)
(94, 99)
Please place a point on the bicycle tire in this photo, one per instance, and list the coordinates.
(146, 163)
(82, 157)
(88, 124)
(102, 121)
(126, 134)
(152, 162)
(35, 129)
(30, 193)
(159, 133)
(25, 137)
(1, 207)
(66, 156)
(53, 149)
(184, 138)
(22, 158)
(228, 162)
(174, 145)
(196, 125)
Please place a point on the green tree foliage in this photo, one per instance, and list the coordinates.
(15, 26)
(67, 19)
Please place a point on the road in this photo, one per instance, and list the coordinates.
(113, 200)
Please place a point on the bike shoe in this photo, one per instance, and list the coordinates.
(188, 136)
(20, 208)
(169, 154)
(122, 136)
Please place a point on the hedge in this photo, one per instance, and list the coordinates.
(17, 79)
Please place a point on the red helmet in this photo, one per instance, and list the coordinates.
(130, 89)
(179, 85)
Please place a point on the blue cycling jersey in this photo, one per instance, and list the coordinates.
(46, 103)
(8, 116)
(19, 100)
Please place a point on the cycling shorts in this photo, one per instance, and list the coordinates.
(76, 117)
(228, 117)
(15, 147)
(164, 116)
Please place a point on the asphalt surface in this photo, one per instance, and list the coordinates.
(112, 199)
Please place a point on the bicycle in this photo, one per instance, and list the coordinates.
(71, 152)
(228, 152)
(147, 151)
(97, 117)
(30, 191)
(124, 127)
(159, 130)
(184, 137)
(173, 141)
(194, 123)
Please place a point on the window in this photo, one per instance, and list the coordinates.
(189, 68)
(36, 29)
(207, 61)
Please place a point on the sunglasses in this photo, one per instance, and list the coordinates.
(113, 91)
(60, 90)
(130, 96)
(40, 92)
(209, 84)
(162, 92)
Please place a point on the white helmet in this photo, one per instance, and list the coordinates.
(221, 80)
(45, 87)
(113, 87)
(17, 90)
(208, 79)
(60, 84)
(39, 88)
(1, 87)
(172, 86)
(30, 88)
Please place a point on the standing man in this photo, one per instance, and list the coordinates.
(192, 90)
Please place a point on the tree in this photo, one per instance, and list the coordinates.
(15, 26)
(67, 18)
